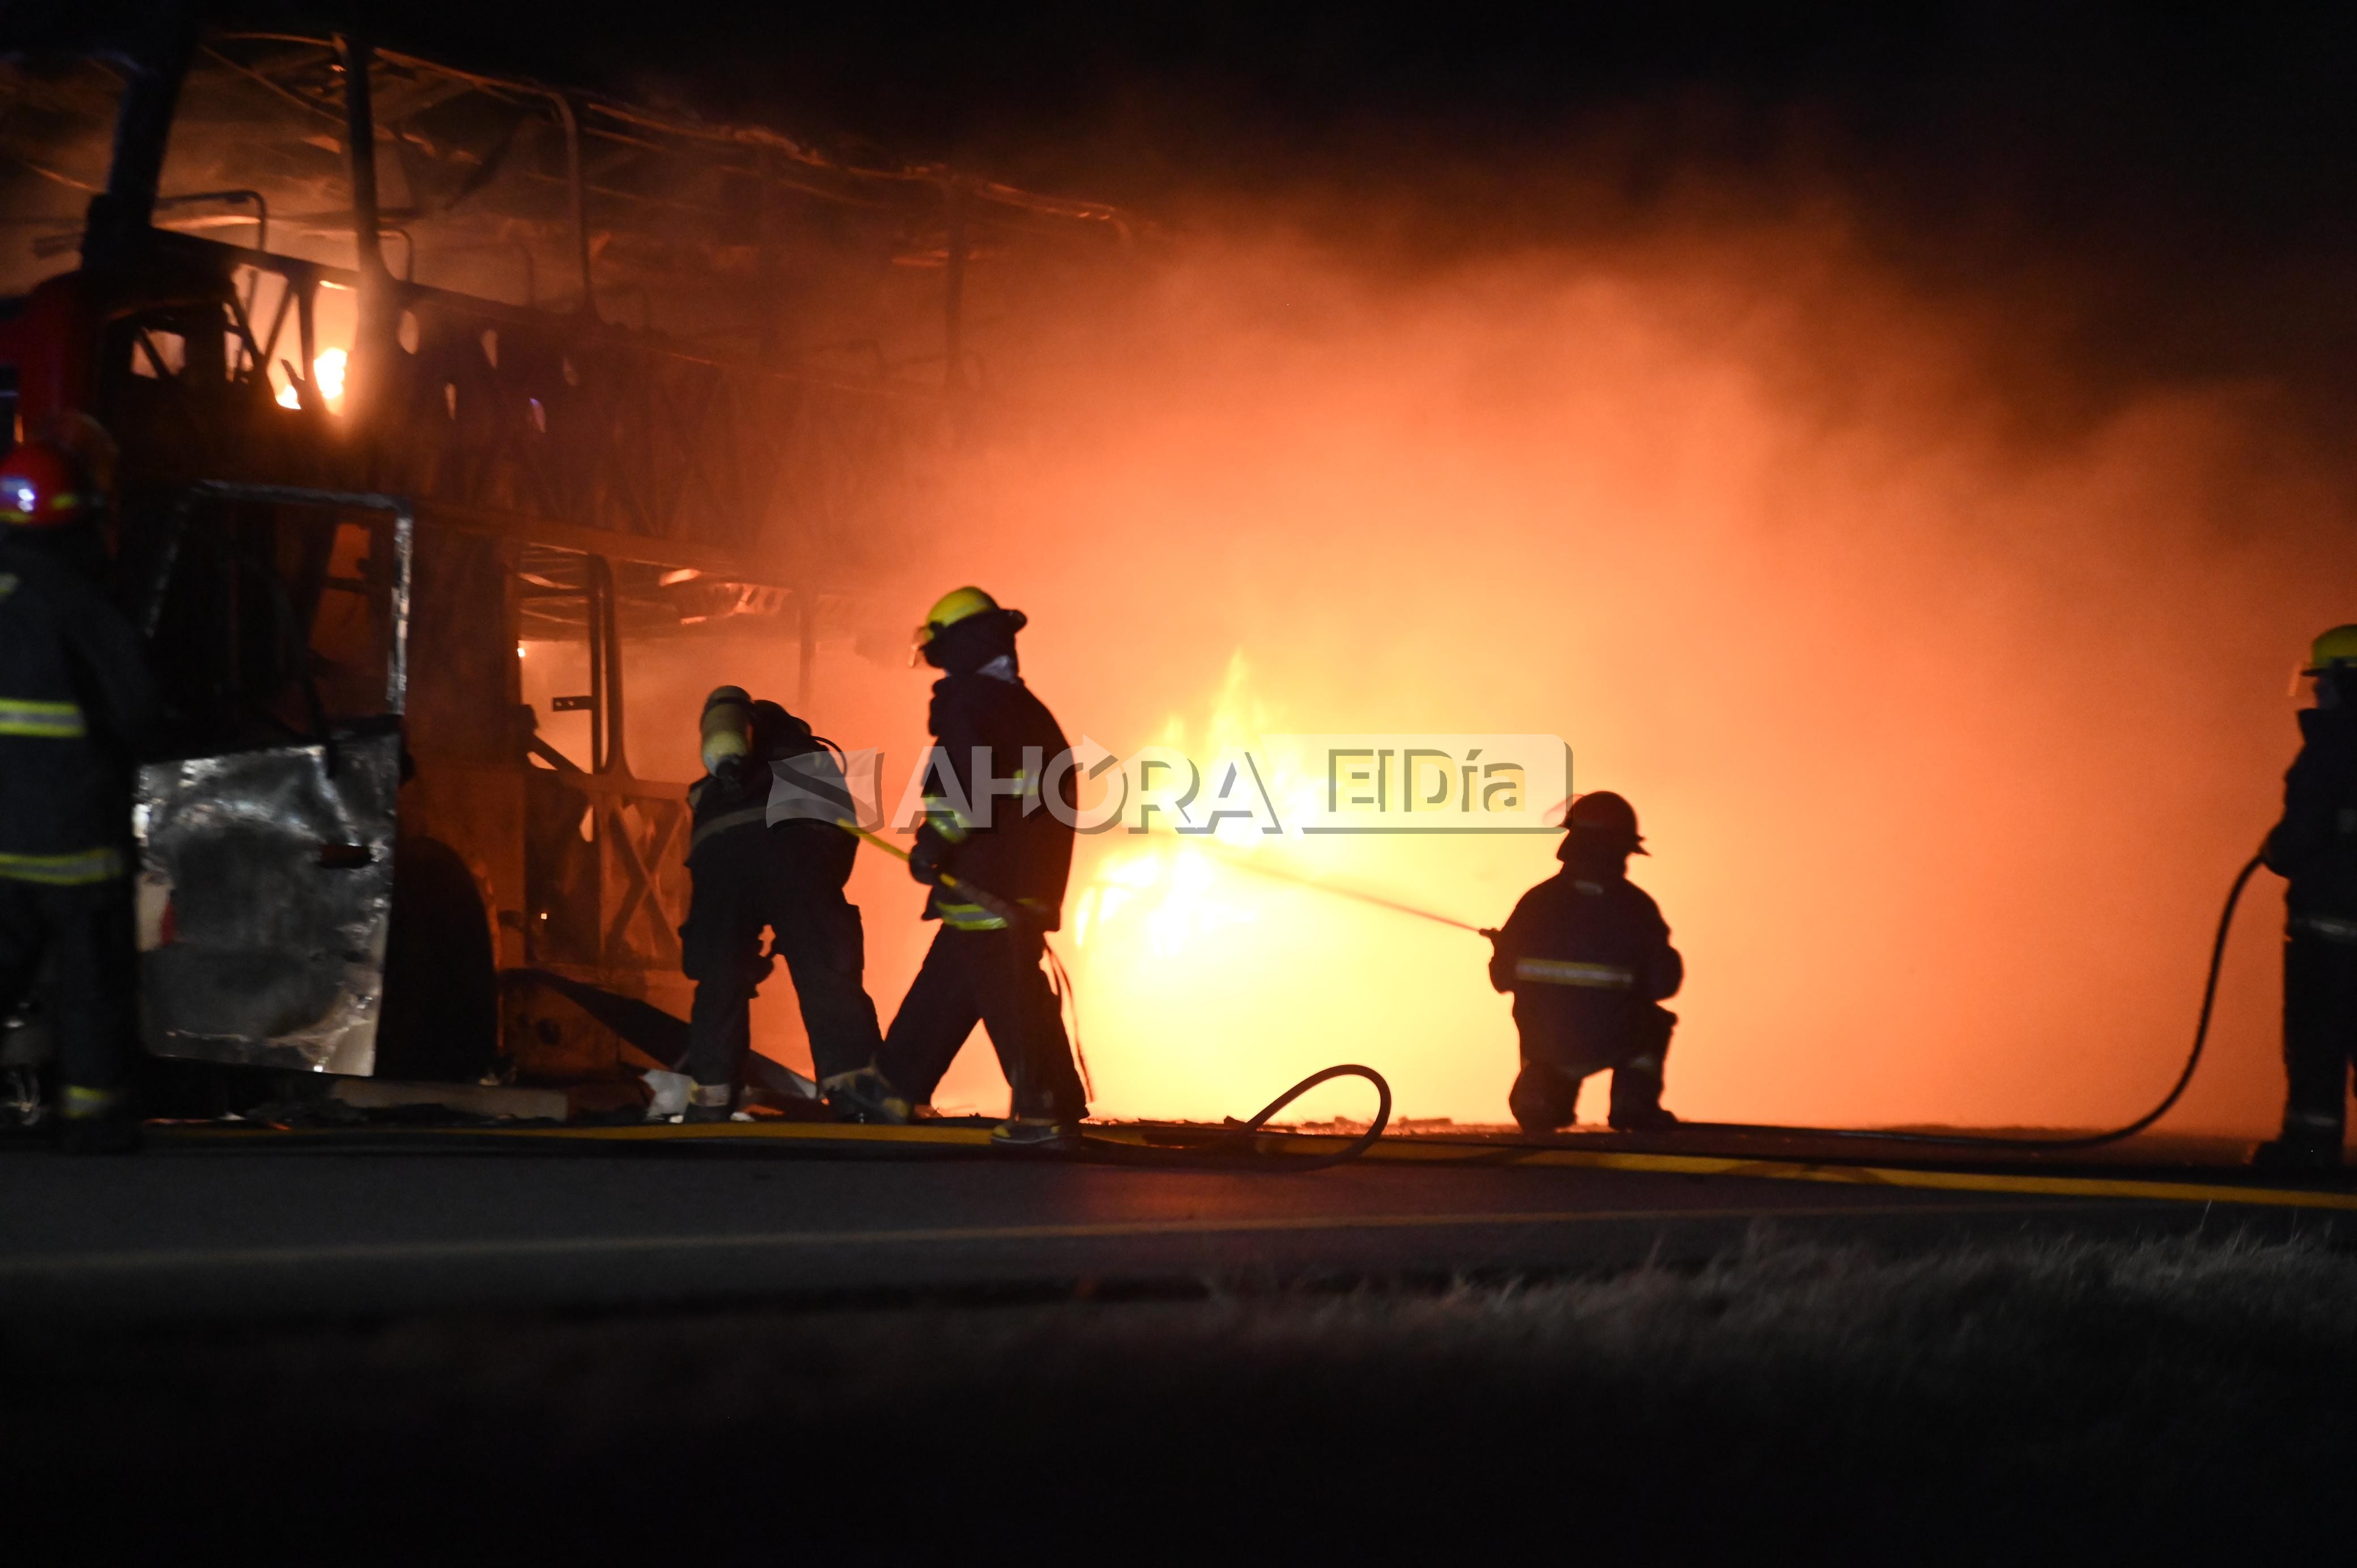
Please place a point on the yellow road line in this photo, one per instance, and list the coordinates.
(1435, 1152)
(1948, 1181)
(1416, 1150)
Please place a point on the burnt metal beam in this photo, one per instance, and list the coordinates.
(360, 146)
(119, 218)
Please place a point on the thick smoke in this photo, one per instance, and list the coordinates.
(1938, 628)
(1949, 716)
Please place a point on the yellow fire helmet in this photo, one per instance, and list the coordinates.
(2336, 648)
(957, 605)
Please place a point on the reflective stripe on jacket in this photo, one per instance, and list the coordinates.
(2325, 926)
(965, 917)
(77, 707)
(63, 870)
(1564, 971)
(49, 721)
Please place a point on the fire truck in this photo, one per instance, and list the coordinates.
(461, 419)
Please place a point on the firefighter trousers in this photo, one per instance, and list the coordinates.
(2320, 1031)
(87, 929)
(993, 978)
(746, 881)
(1547, 1091)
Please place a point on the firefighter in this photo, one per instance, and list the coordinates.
(76, 703)
(1588, 960)
(2314, 847)
(752, 867)
(996, 855)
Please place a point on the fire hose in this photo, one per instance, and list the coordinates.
(1948, 1139)
(1233, 1130)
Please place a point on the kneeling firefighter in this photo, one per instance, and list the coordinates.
(1009, 851)
(750, 869)
(76, 705)
(1588, 960)
(2314, 848)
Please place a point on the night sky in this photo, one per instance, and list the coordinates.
(2181, 181)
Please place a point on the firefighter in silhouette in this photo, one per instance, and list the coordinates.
(76, 704)
(767, 856)
(2314, 848)
(996, 855)
(1589, 960)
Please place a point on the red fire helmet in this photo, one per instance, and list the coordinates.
(43, 485)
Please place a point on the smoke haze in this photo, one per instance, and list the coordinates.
(1904, 459)
(1949, 715)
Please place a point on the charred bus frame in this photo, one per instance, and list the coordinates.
(490, 469)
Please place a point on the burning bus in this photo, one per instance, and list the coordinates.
(453, 411)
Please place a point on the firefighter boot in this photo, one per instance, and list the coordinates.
(1036, 1133)
(865, 1096)
(2310, 1144)
(711, 1102)
(1542, 1098)
(1637, 1097)
(96, 1122)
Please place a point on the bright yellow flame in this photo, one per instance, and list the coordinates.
(327, 375)
(1204, 988)
(1173, 890)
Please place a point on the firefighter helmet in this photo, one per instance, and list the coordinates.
(43, 485)
(2336, 647)
(1602, 812)
(959, 605)
(2332, 654)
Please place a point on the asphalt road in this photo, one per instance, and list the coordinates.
(329, 1228)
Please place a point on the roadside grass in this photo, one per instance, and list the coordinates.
(2043, 1397)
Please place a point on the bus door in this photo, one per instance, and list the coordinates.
(278, 624)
